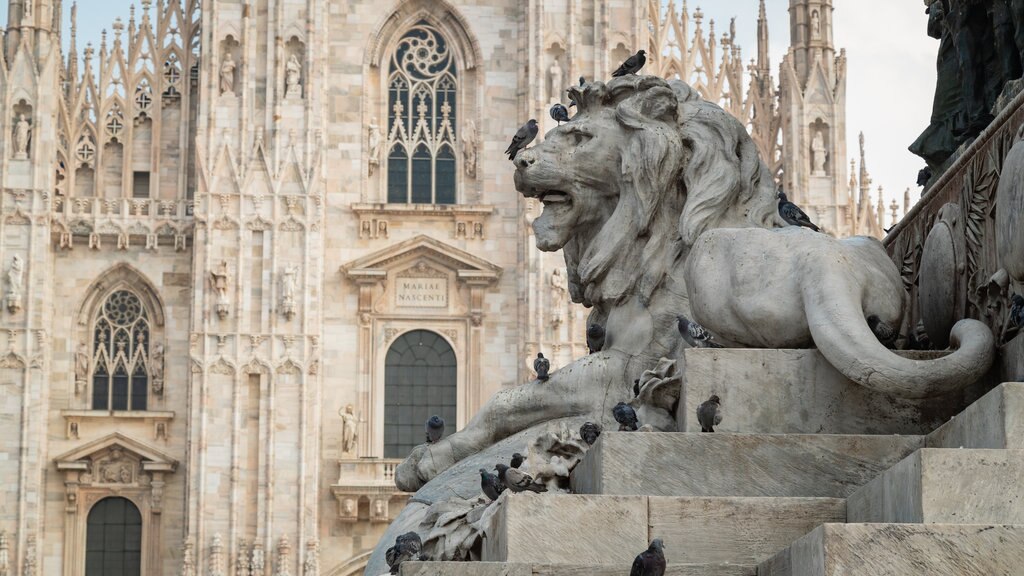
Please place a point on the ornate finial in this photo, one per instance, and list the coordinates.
(698, 16)
(894, 208)
(861, 139)
(145, 6)
(284, 549)
(906, 201)
(118, 27)
(103, 41)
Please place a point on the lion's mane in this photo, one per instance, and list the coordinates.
(688, 167)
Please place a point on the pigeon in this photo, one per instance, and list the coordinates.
(559, 113)
(886, 334)
(407, 547)
(541, 365)
(517, 481)
(1017, 310)
(625, 416)
(517, 460)
(526, 133)
(589, 432)
(595, 338)
(793, 215)
(632, 65)
(709, 413)
(650, 562)
(694, 334)
(924, 175)
(636, 388)
(491, 485)
(583, 81)
(435, 429)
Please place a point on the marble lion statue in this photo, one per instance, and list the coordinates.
(662, 206)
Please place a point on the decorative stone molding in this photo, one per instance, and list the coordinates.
(370, 482)
(468, 221)
(77, 420)
(124, 222)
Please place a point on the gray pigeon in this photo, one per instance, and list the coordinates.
(632, 65)
(541, 365)
(517, 460)
(491, 485)
(650, 562)
(407, 547)
(589, 432)
(694, 334)
(559, 113)
(595, 338)
(435, 429)
(526, 133)
(1017, 310)
(885, 333)
(517, 481)
(626, 417)
(709, 413)
(793, 215)
(583, 81)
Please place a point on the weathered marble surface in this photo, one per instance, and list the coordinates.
(797, 391)
(503, 569)
(996, 420)
(951, 486)
(902, 550)
(796, 465)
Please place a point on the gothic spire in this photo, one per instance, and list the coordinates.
(763, 61)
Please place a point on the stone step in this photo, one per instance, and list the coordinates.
(505, 569)
(945, 486)
(683, 464)
(902, 550)
(565, 528)
(778, 391)
(996, 420)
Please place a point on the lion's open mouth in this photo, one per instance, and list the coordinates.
(554, 197)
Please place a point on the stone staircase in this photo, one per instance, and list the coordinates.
(746, 502)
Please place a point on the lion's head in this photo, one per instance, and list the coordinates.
(634, 178)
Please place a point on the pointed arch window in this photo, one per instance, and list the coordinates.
(422, 104)
(120, 352)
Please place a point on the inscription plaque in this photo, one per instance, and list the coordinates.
(422, 292)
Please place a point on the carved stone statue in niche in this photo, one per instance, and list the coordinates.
(156, 369)
(15, 279)
(555, 79)
(815, 25)
(373, 145)
(349, 429)
(220, 278)
(227, 74)
(289, 280)
(559, 294)
(293, 78)
(81, 368)
(115, 468)
(22, 137)
(818, 154)
(469, 145)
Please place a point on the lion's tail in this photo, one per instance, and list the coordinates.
(842, 335)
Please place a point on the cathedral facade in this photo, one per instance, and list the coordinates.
(249, 247)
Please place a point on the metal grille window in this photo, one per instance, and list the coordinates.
(419, 381)
(120, 371)
(113, 544)
(422, 84)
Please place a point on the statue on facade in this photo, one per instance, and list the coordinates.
(156, 369)
(373, 141)
(220, 278)
(81, 368)
(469, 146)
(227, 74)
(555, 80)
(289, 280)
(818, 154)
(815, 25)
(559, 295)
(22, 137)
(349, 429)
(293, 78)
(15, 280)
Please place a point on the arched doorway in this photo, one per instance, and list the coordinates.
(113, 539)
(419, 380)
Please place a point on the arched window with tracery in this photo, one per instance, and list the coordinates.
(422, 86)
(120, 353)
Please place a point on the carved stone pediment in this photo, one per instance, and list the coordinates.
(115, 460)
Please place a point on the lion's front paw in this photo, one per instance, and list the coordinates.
(424, 463)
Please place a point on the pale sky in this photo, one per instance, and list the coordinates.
(890, 64)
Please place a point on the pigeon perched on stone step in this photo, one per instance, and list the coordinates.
(407, 547)
(793, 215)
(491, 485)
(517, 460)
(885, 333)
(435, 429)
(518, 481)
(595, 338)
(694, 334)
(709, 413)
(632, 65)
(626, 417)
(583, 81)
(526, 133)
(541, 365)
(559, 113)
(589, 432)
(650, 562)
